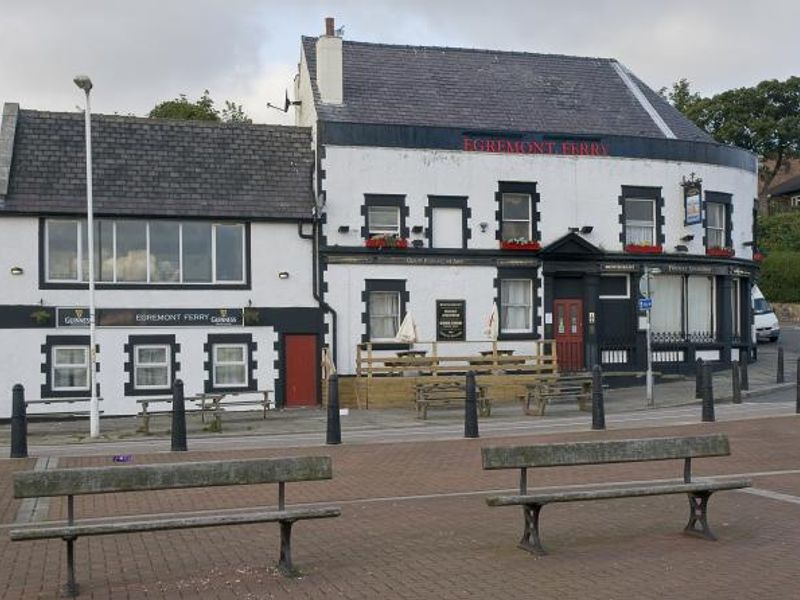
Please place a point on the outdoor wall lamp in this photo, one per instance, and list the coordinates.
(687, 238)
(750, 243)
(283, 275)
(574, 229)
(417, 229)
(586, 229)
(344, 228)
(17, 270)
(484, 226)
(681, 248)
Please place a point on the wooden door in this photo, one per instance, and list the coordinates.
(568, 328)
(301, 372)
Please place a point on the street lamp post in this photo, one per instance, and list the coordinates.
(84, 83)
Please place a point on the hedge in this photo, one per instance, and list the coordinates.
(779, 232)
(780, 276)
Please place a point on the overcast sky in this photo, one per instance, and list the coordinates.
(139, 52)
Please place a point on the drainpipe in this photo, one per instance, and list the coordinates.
(315, 280)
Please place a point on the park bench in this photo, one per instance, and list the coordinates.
(115, 479)
(445, 393)
(605, 452)
(551, 389)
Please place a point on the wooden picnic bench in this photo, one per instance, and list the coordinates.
(207, 403)
(605, 452)
(445, 393)
(554, 388)
(70, 401)
(116, 479)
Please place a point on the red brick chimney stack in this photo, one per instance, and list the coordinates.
(329, 26)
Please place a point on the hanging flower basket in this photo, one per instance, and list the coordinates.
(530, 245)
(643, 249)
(725, 252)
(386, 242)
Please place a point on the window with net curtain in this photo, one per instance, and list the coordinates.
(715, 225)
(640, 222)
(683, 306)
(699, 307)
(152, 366)
(70, 368)
(384, 220)
(384, 315)
(516, 305)
(516, 211)
(230, 365)
(667, 294)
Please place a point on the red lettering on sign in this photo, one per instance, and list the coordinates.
(469, 145)
(569, 147)
(490, 146)
(501, 145)
(584, 149)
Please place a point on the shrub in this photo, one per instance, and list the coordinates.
(780, 232)
(780, 276)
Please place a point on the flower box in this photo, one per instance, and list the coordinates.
(530, 245)
(725, 252)
(386, 242)
(643, 249)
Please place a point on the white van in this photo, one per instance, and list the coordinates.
(766, 322)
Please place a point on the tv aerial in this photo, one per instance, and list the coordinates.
(286, 103)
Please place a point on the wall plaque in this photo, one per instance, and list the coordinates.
(451, 321)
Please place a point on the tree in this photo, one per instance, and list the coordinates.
(201, 110)
(764, 119)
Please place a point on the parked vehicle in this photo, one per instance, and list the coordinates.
(766, 321)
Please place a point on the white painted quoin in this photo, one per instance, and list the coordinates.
(432, 138)
(218, 292)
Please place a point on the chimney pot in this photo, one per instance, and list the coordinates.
(329, 26)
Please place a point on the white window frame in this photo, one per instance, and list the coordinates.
(54, 365)
(736, 307)
(215, 362)
(505, 219)
(114, 280)
(723, 229)
(384, 231)
(398, 317)
(167, 364)
(627, 287)
(504, 302)
(794, 201)
(634, 223)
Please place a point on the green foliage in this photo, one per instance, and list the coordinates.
(780, 276)
(681, 96)
(201, 110)
(779, 232)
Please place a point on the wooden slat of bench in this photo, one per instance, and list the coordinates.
(97, 480)
(625, 491)
(292, 514)
(611, 451)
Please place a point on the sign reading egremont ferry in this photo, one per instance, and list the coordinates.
(151, 317)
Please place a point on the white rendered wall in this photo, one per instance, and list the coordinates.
(574, 191)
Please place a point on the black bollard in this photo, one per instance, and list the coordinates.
(471, 408)
(19, 423)
(598, 406)
(334, 432)
(736, 383)
(780, 378)
(698, 378)
(745, 377)
(797, 407)
(708, 394)
(178, 418)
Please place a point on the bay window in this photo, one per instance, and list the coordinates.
(516, 305)
(129, 251)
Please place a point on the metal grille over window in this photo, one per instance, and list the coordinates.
(516, 213)
(384, 315)
(516, 304)
(70, 368)
(230, 365)
(640, 222)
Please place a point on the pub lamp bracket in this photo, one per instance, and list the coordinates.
(587, 229)
(687, 238)
(17, 270)
(344, 228)
(681, 248)
(283, 275)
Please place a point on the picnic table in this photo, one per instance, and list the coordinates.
(445, 393)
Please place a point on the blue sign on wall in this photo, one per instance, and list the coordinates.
(645, 303)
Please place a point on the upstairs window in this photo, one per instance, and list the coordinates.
(716, 234)
(640, 221)
(129, 251)
(516, 217)
(384, 220)
(384, 216)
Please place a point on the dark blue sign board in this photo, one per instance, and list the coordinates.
(645, 303)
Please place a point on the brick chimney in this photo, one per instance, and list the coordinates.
(329, 65)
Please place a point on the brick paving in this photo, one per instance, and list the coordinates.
(412, 527)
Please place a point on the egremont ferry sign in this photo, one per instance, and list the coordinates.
(517, 146)
(151, 317)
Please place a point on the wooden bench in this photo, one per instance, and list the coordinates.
(115, 479)
(216, 403)
(446, 393)
(557, 388)
(614, 451)
(70, 401)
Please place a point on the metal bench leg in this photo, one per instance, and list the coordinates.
(70, 588)
(530, 541)
(285, 563)
(698, 516)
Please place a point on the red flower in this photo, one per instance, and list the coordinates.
(386, 242)
(725, 252)
(758, 256)
(531, 245)
(643, 249)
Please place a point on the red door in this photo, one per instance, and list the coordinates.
(301, 370)
(569, 334)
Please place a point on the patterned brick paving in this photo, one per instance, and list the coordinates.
(389, 544)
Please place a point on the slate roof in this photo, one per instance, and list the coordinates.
(160, 168)
(493, 90)
(790, 186)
